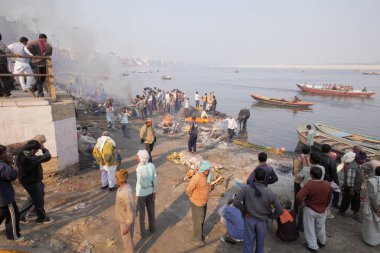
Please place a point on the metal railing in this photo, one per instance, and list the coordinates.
(49, 73)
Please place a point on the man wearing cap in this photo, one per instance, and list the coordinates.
(104, 153)
(148, 136)
(125, 209)
(198, 193)
(352, 185)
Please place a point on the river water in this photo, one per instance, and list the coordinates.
(273, 126)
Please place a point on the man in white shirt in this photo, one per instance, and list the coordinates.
(22, 65)
(310, 135)
(197, 97)
(231, 125)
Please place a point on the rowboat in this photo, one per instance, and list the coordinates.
(358, 139)
(281, 102)
(323, 91)
(339, 145)
(166, 77)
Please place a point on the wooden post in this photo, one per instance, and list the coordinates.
(50, 79)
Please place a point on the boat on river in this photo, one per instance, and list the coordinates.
(281, 102)
(358, 139)
(339, 145)
(371, 73)
(335, 92)
(166, 77)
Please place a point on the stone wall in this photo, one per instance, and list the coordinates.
(23, 118)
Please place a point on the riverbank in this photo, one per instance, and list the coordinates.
(84, 214)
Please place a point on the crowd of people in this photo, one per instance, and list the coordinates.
(21, 62)
(338, 87)
(317, 187)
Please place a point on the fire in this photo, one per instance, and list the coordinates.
(167, 120)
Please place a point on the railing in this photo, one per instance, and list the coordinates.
(49, 73)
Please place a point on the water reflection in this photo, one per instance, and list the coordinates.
(295, 110)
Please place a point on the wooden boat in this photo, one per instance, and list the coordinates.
(166, 77)
(371, 73)
(281, 102)
(341, 146)
(323, 91)
(358, 139)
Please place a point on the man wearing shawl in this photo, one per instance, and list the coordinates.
(256, 201)
(104, 153)
(148, 136)
(198, 192)
(352, 186)
(125, 209)
(146, 189)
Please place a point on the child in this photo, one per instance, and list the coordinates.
(286, 224)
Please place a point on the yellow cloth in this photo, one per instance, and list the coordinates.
(106, 156)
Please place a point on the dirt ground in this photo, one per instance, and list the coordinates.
(84, 214)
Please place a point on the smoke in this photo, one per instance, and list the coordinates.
(74, 47)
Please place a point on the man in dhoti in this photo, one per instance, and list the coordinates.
(22, 65)
(105, 155)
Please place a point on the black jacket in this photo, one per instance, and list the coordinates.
(29, 167)
(7, 175)
(329, 164)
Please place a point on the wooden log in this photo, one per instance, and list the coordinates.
(15, 148)
(226, 183)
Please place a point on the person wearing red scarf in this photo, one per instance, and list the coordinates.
(39, 47)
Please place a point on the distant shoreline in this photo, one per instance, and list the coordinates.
(359, 67)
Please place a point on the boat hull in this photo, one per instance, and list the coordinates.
(283, 102)
(322, 91)
(338, 145)
(358, 139)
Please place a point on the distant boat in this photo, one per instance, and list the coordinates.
(371, 73)
(166, 77)
(338, 145)
(125, 74)
(323, 91)
(281, 102)
(358, 139)
(237, 71)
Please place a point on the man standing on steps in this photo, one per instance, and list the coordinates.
(5, 81)
(22, 65)
(148, 136)
(193, 135)
(39, 47)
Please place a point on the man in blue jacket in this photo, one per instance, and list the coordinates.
(8, 206)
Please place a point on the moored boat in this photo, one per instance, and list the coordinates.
(338, 145)
(324, 91)
(166, 77)
(371, 73)
(281, 102)
(358, 139)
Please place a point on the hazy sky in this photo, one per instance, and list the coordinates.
(214, 31)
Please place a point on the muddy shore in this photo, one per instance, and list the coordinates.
(84, 214)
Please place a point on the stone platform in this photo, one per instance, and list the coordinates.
(23, 116)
